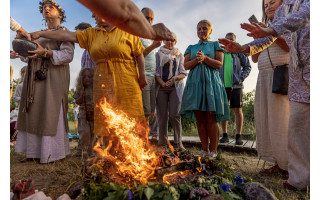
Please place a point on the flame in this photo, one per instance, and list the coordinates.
(127, 148)
(199, 168)
(169, 144)
(182, 174)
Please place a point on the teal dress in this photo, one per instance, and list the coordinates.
(204, 90)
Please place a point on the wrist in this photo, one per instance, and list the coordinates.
(45, 53)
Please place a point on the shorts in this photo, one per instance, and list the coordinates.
(234, 97)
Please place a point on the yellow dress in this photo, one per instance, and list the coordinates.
(115, 73)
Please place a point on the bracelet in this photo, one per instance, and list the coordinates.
(45, 52)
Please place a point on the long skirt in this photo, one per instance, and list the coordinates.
(47, 148)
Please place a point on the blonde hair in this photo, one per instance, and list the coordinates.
(205, 21)
(79, 81)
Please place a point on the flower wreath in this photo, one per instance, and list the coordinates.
(62, 12)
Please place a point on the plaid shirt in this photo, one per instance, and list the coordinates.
(86, 61)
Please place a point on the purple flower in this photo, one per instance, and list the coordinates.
(238, 179)
(222, 171)
(40, 3)
(224, 187)
(129, 194)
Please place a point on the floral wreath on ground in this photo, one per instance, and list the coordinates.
(62, 12)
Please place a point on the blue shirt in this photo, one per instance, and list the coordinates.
(150, 59)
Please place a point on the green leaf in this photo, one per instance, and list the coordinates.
(148, 192)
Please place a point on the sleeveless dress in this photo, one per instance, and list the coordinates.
(204, 90)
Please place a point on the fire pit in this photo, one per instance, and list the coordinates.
(127, 166)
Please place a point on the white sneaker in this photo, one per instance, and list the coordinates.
(212, 155)
(202, 154)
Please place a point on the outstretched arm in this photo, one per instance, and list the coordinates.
(125, 15)
(61, 35)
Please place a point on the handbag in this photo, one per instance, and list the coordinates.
(280, 82)
(41, 74)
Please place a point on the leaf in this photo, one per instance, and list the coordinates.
(234, 196)
(148, 192)
(168, 197)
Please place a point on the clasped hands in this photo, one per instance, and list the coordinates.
(169, 83)
(200, 56)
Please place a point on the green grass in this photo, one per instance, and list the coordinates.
(71, 127)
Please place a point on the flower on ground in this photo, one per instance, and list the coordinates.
(130, 194)
(238, 179)
(225, 187)
(222, 171)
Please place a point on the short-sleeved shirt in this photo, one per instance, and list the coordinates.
(150, 59)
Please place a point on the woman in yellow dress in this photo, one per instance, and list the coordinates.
(116, 55)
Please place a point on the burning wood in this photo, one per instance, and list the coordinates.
(128, 157)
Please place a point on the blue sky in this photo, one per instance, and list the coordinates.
(181, 16)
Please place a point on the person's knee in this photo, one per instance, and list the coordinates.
(237, 111)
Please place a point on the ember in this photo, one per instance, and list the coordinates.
(170, 178)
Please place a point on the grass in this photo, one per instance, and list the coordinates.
(54, 179)
(72, 129)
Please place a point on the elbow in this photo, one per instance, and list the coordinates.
(219, 65)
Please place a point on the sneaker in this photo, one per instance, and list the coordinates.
(212, 155)
(238, 139)
(224, 138)
(202, 154)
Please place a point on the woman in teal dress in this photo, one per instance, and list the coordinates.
(204, 94)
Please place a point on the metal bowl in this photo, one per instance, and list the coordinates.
(22, 46)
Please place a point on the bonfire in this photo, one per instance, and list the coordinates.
(129, 166)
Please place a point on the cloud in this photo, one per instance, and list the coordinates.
(181, 16)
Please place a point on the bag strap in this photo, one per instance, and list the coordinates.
(270, 59)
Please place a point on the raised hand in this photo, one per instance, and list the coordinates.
(23, 33)
(156, 44)
(35, 35)
(231, 46)
(257, 30)
(162, 32)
